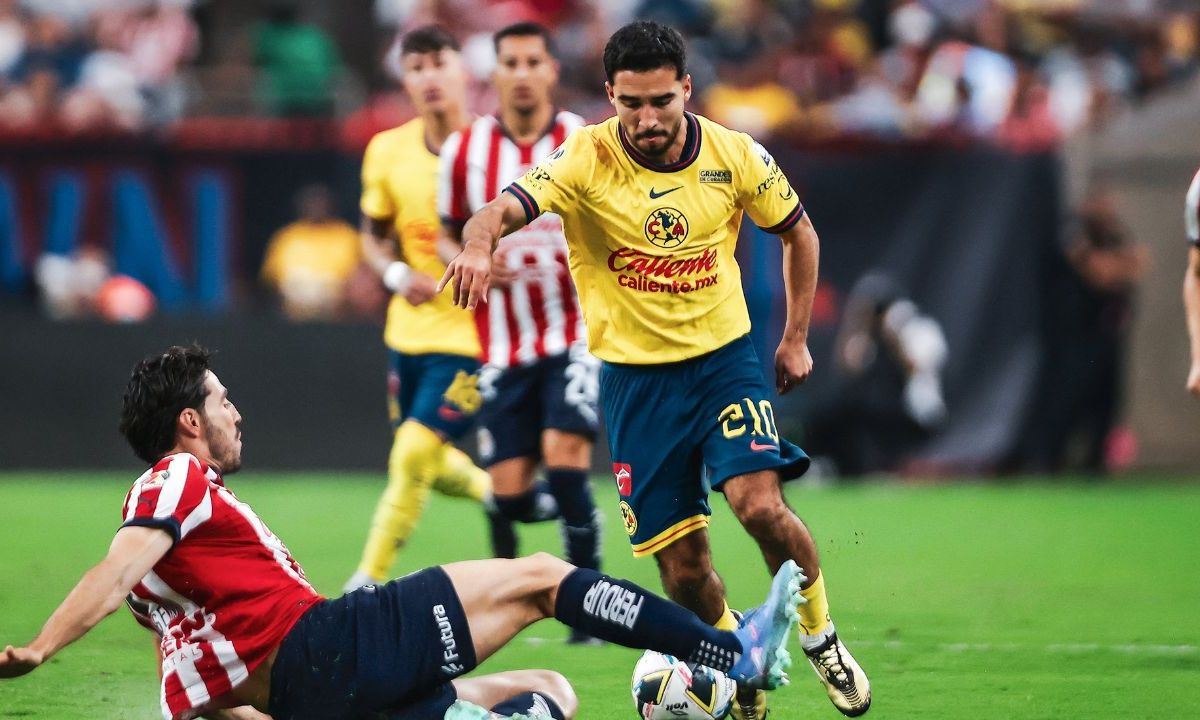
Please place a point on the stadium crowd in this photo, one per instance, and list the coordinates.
(1022, 72)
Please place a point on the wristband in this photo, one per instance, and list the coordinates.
(397, 277)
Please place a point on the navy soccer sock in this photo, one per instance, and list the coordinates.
(581, 523)
(533, 704)
(533, 505)
(624, 613)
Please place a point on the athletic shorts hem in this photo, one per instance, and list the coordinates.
(789, 468)
(670, 535)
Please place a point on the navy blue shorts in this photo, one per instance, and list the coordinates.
(382, 651)
(437, 390)
(677, 429)
(555, 393)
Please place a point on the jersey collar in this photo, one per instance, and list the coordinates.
(691, 148)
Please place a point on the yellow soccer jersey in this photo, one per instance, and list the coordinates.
(651, 246)
(400, 179)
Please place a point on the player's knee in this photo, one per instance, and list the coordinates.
(763, 517)
(566, 450)
(557, 688)
(543, 573)
(684, 572)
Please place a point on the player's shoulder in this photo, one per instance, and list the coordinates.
(398, 138)
(177, 467)
(723, 139)
(569, 121)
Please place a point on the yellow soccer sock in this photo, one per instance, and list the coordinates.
(727, 621)
(814, 614)
(460, 477)
(415, 460)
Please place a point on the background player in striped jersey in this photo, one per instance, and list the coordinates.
(1191, 281)
(241, 631)
(652, 202)
(433, 348)
(539, 382)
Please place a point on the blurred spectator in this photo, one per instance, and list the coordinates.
(888, 363)
(68, 285)
(1090, 333)
(310, 261)
(299, 63)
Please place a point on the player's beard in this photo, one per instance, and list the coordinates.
(671, 137)
(223, 448)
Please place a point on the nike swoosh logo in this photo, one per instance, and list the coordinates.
(657, 195)
(756, 447)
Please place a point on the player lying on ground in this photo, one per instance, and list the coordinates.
(240, 626)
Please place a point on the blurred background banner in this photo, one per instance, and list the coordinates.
(998, 186)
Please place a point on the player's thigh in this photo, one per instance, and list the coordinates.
(510, 420)
(446, 398)
(655, 448)
(739, 432)
(502, 597)
(570, 407)
(687, 560)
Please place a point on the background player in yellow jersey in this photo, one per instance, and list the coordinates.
(433, 347)
(652, 202)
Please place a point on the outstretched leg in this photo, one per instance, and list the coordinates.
(502, 597)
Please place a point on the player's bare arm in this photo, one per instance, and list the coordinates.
(450, 244)
(379, 252)
(1191, 303)
(470, 271)
(801, 251)
(99, 593)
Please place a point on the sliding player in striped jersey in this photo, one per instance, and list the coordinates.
(539, 382)
(241, 632)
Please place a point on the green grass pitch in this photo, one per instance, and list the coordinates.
(1032, 600)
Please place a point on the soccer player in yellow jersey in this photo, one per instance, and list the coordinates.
(652, 201)
(434, 350)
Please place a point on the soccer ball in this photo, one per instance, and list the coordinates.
(666, 688)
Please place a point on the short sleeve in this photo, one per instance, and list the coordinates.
(1191, 218)
(452, 205)
(764, 191)
(376, 201)
(556, 183)
(175, 499)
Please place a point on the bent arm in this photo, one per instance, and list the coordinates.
(801, 257)
(501, 216)
(98, 594)
(377, 247)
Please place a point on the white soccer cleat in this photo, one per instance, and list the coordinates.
(843, 678)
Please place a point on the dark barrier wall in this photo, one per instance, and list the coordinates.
(311, 396)
(970, 232)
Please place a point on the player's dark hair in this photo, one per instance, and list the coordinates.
(161, 387)
(427, 39)
(642, 46)
(526, 29)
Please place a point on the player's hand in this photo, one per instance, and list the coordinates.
(1193, 381)
(502, 274)
(15, 662)
(469, 273)
(421, 289)
(793, 364)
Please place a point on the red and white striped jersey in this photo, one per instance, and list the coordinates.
(1191, 218)
(224, 596)
(538, 315)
